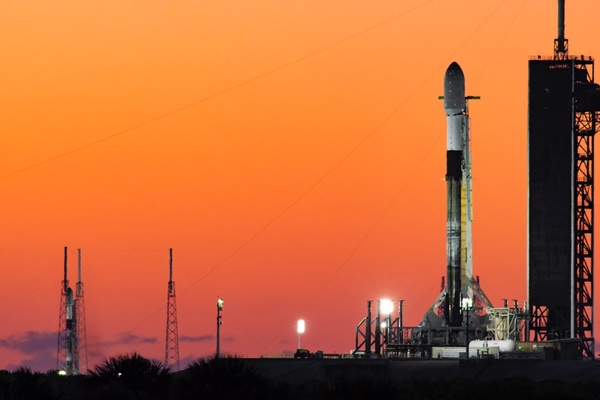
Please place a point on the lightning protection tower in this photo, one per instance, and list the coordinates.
(81, 349)
(172, 337)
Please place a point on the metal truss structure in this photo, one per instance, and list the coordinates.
(508, 323)
(172, 336)
(80, 351)
(586, 118)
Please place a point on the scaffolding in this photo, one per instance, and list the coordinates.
(508, 323)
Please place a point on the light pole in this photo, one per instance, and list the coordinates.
(400, 323)
(301, 329)
(467, 306)
(219, 322)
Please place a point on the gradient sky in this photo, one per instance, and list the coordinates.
(292, 153)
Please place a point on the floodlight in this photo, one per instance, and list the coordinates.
(301, 326)
(387, 306)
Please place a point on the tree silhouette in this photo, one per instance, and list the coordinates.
(228, 377)
(129, 375)
(25, 384)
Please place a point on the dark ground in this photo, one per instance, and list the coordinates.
(304, 370)
(230, 377)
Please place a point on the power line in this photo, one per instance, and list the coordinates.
(302, 195)
(212, 96)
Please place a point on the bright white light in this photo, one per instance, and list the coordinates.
(384, 324)
(220, 303)
(387, 306)
(62, 372)
(301, 326)
(466, 302)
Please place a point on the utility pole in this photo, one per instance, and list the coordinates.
(467, 306)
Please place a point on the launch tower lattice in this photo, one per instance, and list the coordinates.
(61, 353)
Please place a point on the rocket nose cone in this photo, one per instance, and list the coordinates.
(454, 90)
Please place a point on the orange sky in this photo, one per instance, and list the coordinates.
(291, 153)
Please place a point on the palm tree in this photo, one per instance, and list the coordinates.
(139, 376)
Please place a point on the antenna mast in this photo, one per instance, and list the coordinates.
(561, 45)
(172, 337)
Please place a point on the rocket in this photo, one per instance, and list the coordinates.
(459, 282)
(455, 106)
(70, 334)
(69, 302)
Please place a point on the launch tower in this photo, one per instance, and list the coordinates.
(71, 356)
(564, 105)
